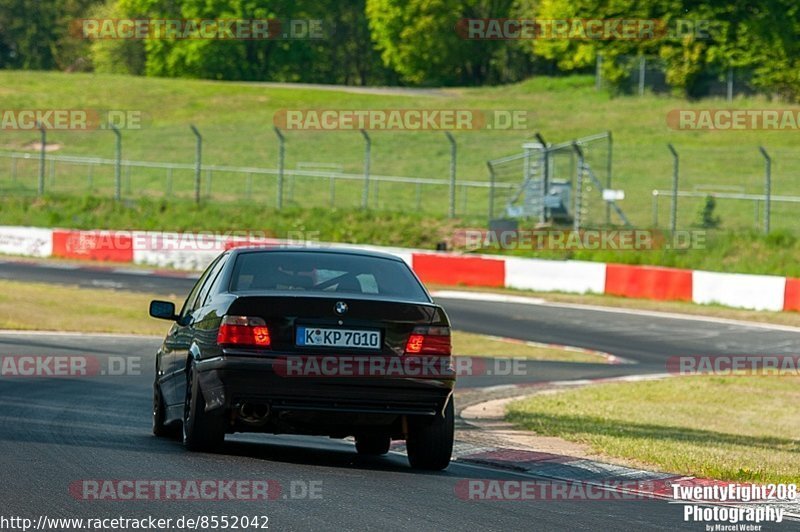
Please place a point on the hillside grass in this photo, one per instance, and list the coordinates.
(236, 122)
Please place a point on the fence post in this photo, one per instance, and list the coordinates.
(453, 152)
(608, 175)
(576, 219)
(367, 155)
(598, 70)
(545, 175)
(118, 164)
(42, 156)
(491, 191)
(198, 157)
(673, 219)
(281, 159)
(767, 186)
(642, 63)
(655, 209)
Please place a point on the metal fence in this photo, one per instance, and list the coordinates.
(271, 187)
(746, 199)
(560, 183)
(642, 73)
(555, 183)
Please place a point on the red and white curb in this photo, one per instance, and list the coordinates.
(194, 251)
(571, 383)
(598, 474)
(571, 469)
(562, 468)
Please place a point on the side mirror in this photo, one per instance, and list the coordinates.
(163, 310)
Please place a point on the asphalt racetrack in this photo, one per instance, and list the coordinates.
(58, 432)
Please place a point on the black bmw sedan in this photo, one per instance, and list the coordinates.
(312, 341)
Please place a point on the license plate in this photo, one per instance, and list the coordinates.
(349, 338)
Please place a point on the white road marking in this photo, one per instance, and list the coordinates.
(501, 298)
(487, 296)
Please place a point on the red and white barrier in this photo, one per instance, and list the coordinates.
(555, 276)
(759, 292)
(26, 241)
(649, 282)
(194, 252)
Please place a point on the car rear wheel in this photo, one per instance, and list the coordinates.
(161, 429)
(373, 444)
(430, 442)
(202, 431)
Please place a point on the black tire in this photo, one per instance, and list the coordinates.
(373, 444)
(202, 431)
(161, 429)
(430, 442)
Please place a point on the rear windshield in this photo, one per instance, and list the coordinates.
(282, 271)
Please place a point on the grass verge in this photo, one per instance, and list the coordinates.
(39, 306)
(478, 345)
(741, 252)
(728, 428)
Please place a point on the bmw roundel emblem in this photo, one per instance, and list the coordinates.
(340, 307)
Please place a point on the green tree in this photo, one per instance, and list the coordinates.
(35, 34)
(738, 34)
(116, 56)
(418, 39)
(344, 55)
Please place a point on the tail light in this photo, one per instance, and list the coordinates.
(243, 331)
(429, 341)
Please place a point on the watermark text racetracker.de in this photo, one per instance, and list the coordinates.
(69, 119)
(584, 239)
(402, 119)
(423, 367)
(581, 29)
(84, 242)
(734, 119)
(555, 490)
(198, 489)
(255, 29)
(735, 365)
(73, 366)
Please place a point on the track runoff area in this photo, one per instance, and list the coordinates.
(475, 486)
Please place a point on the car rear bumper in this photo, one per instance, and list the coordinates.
(234, 379)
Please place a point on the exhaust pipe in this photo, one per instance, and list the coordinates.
(251, 414)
